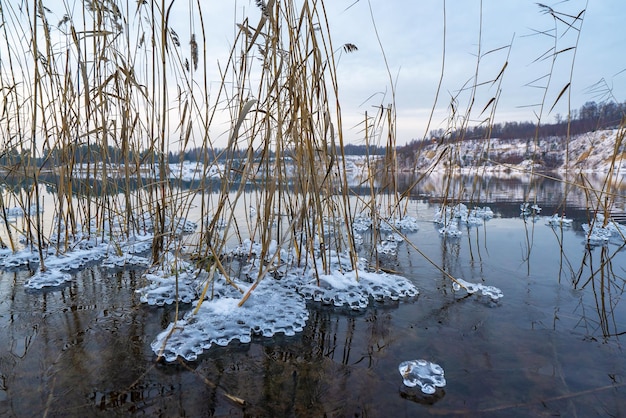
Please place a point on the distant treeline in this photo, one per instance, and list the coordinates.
(96, 153)
(220, 155)
(590, 117)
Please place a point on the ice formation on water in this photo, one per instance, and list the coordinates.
(273, 307)
(358, 239)
(405, 223)
(491, 292)
(162, 279)
(389, 244)
(451, 217)
(428, 376)
(83, 252)
(250, 248)
(361, 223)
(482, 212)
(461, 213)
(48, 278)
(445, 214)
(276, 305)
(10, 260)
(557, 220)
(527, 209)
(599, 234)
(476, 216)
(387, 247)
(69, 250)
(451, 230)
(17, 212)
(113, 261)
(394, 237)
(346, 289)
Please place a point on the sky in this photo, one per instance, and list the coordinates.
(412, 37)
(407, 56)
(409, 36)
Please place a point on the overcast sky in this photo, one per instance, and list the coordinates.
(411, 33)
(412, 36)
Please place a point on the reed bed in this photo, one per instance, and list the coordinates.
(102, 96)
(94, 104)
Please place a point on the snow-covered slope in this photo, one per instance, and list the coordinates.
(592, 151)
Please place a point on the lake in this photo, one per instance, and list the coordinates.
(551, 346)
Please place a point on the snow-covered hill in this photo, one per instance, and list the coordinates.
(589, 152)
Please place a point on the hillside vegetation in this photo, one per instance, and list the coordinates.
(590, 141)
(591, 151)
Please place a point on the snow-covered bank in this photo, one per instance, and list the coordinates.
(589, 152)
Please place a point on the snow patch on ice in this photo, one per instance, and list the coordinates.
(271, 308)
(428, 376)
(601, 232)
(276, 305)
(491, 292)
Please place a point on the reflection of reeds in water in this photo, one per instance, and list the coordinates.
(602, 201)
(607, 288)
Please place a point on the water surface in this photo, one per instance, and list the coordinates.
(551, 346)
